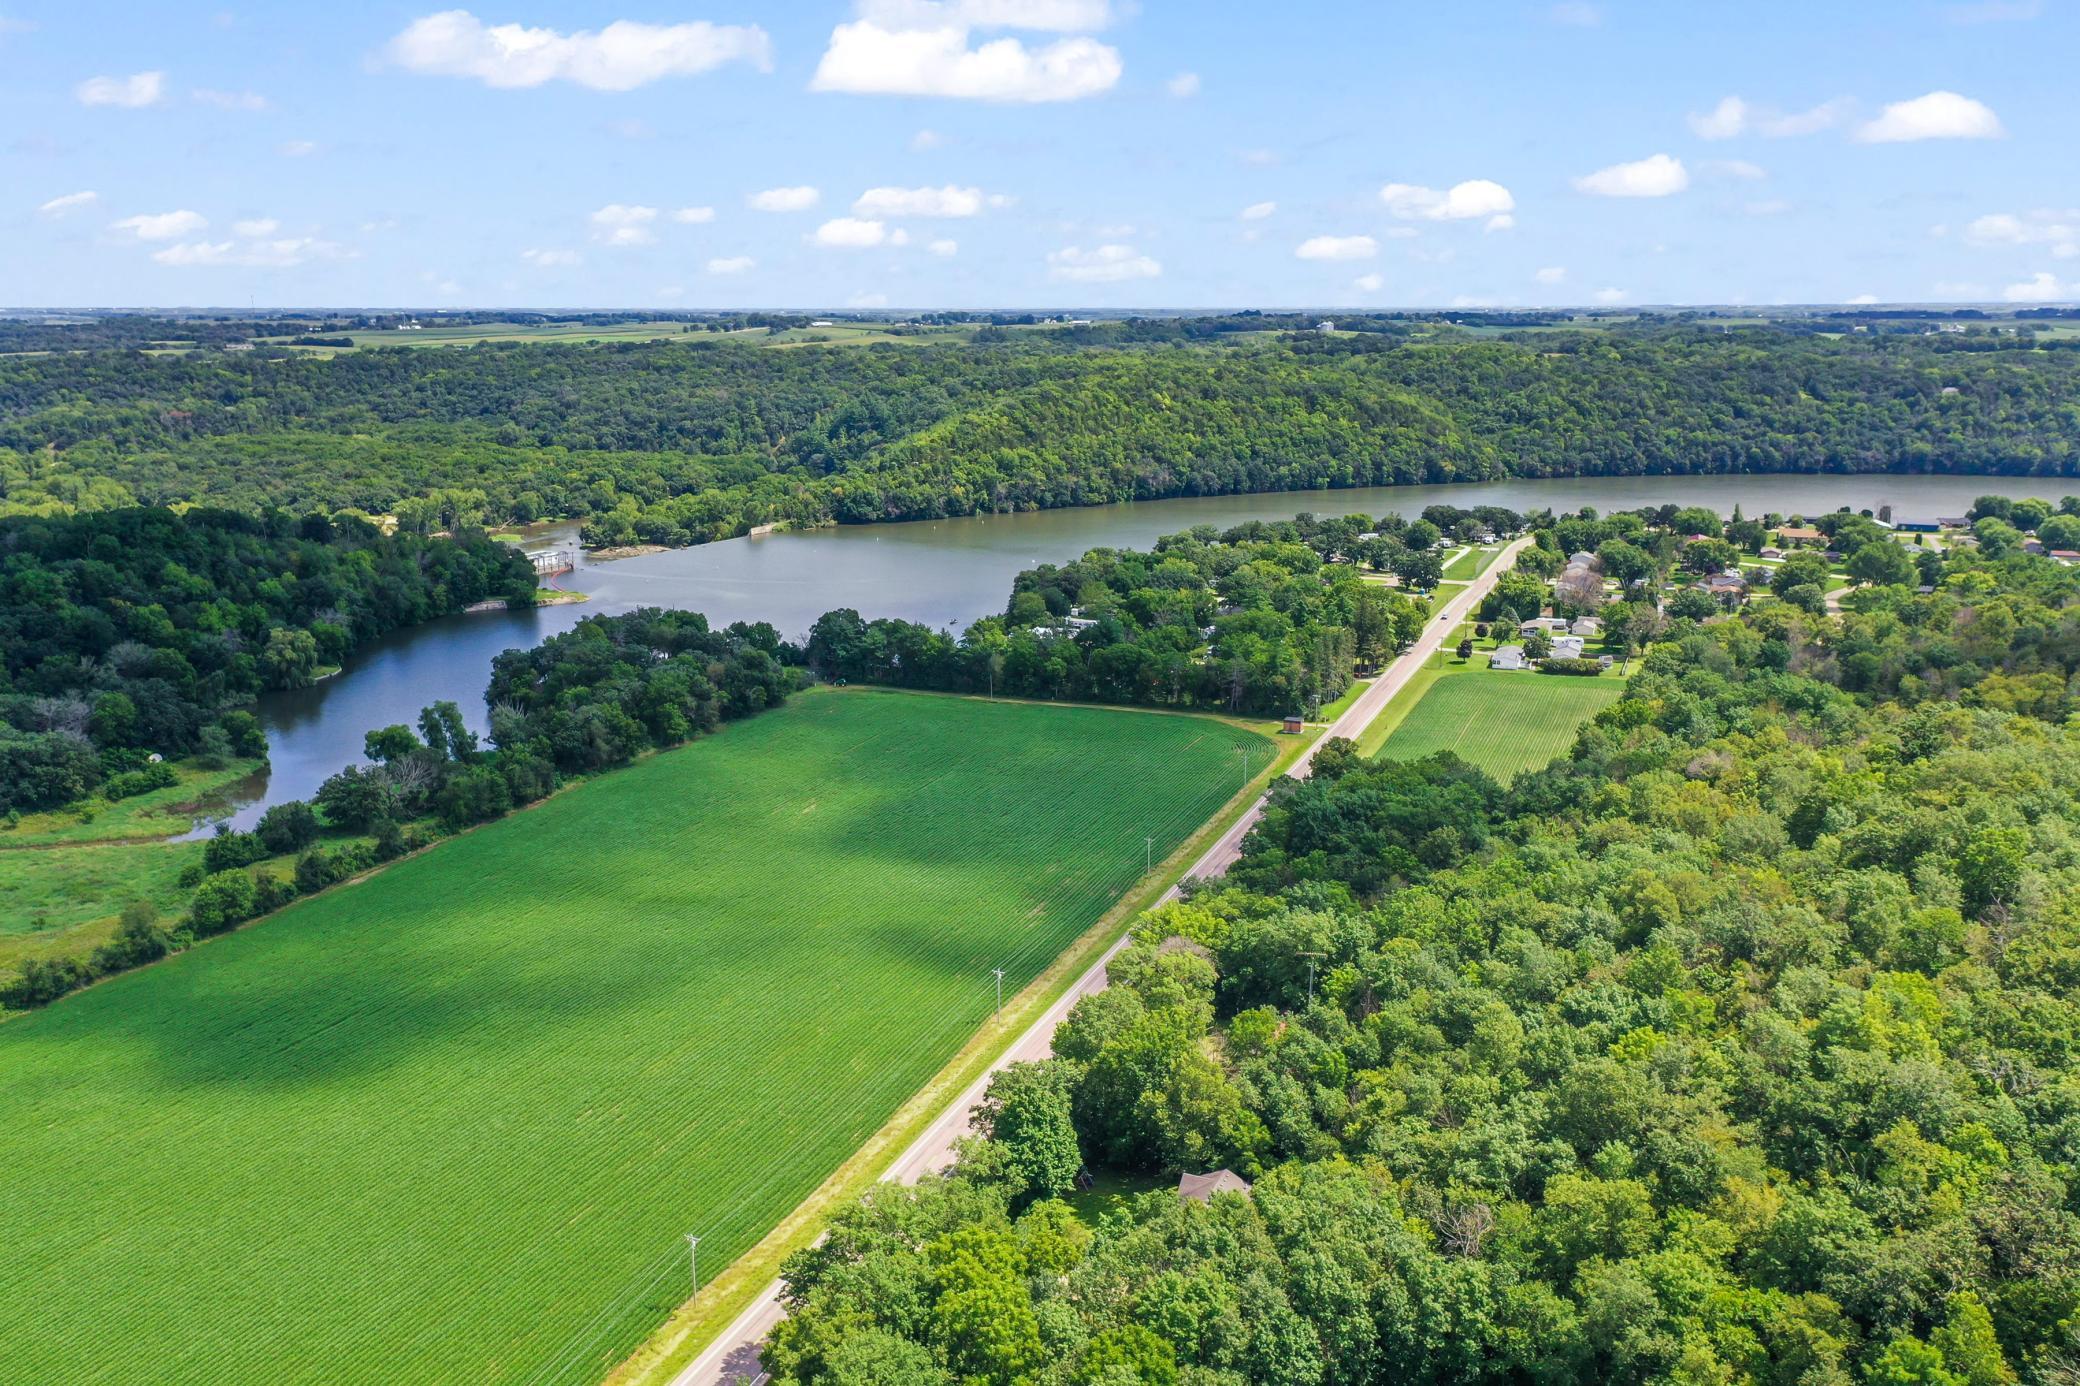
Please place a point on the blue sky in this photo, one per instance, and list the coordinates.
(1106, 153)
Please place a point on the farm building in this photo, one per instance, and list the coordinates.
(1507, 657)
(1800, 534)
(1293, 723)
(1917, 526)
(1200, 1188)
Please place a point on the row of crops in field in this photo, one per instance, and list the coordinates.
(451, 1123)
(1505, 723)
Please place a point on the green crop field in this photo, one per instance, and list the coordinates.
(1504, 723)
(452, 1123)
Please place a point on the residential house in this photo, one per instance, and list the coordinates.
(1801, 535)
(1567, 647)
(1508, 657)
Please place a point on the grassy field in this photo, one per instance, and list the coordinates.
(65, 875)
(451, 1123)
(1505, 723)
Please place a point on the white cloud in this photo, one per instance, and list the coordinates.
(1105, 264)
(1257, 211)
(944, 248)
(1611, 295)
(784, 199)
(138, 89)
(258, 226)
(620, 57)
(1940, 115)
(70, 202)
(297, 149)
(1552, 274)
(163, 226)
(867, 300)
(259, 253)
(1337, 248)
(1734, 116)
(1184, 84)
(1370, 283)
(552, 259)
(2041, 287)
(1657, 175)
(948, 201)
(866, 58)
(731, 264)
(851, 232)
(1476, 197)
(232, 100)
(1736, 168)
(925, 140)
(694, 216)
(618, 223)
(2060, 230)
(1863, 299)
(1504, 222)
(1577, 14)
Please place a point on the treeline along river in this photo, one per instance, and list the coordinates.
(943, 573)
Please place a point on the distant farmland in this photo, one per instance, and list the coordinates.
(451, 1123)
(1504, 723)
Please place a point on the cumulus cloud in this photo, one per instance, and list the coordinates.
(1500, 223)
(1184, 84)
(784, 199)
(731, 264)
(851, 232)
(138, 89)
(1734, 116)
(551, 259)
(2041, 287)
(1552, 274)
(1257, 211)
(1736, 168)
(1863, 299)
(70, 202)
(869, 58)
(1105, 264)
(1940, 115)
(1657, 175)
(694, 216)
(948, 201)
(620, 57)
(1611, 295)
(261, 252)
(163, 226)
(2058, 230)
(1370, 283)
(232, 100)
(944, 248)
(618, 223)
(1476, 197)
(1337, 248)
(1057, 16)
(257, 226)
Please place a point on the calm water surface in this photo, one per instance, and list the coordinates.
(942, 573)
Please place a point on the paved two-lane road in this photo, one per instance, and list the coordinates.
(734, 1354)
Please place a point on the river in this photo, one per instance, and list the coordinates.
(943, 573)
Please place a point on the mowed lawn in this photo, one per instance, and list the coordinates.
(1505, 723)
(451, 1124)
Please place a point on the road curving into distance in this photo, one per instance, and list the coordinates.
(733, 1356)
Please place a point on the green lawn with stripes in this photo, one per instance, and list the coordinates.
(1505, 723)
(451, 1123)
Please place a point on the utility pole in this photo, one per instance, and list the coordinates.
(1311, 959)
(693, 1257)
(998, 973)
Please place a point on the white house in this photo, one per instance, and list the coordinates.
(1507, 657)
(1587, 627)
(1567, 646)
(1325, 326)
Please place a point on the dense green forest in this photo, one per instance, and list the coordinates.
(684, 440)
(1263, 618)
(132, 634)
(1737, 1045)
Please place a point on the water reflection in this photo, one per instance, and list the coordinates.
(944, 573)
